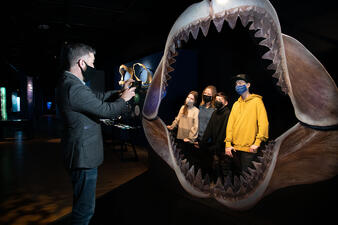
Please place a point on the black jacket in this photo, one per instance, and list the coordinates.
(215, 133)
(80, 109)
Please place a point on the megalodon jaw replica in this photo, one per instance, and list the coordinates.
(306, 153)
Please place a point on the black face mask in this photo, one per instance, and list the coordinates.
(218, 105)
(88, 73)
(207, 98)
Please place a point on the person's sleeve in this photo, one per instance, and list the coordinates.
(194, 129)
(177, 119)
(106, 95)
(83, 100)
(263, 124)
(230, 124)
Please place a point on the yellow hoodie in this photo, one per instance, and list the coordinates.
(248, 123)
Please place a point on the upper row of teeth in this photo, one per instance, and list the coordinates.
(261, 22)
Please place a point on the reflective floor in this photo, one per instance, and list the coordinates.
(34, 186)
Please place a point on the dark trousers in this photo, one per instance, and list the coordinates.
(222, 166)
(84, 190)
(242, 161)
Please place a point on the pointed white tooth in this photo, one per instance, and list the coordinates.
(194, 31)
(184, 36)
(198, 182)
(178, 43)
(219, 23)
(219, 183)
(191, 175)
(252, 171)
(167, 77)
(185, 166)
(277, 74)
(172, 48)
(260, 33)
(269, 55)
(232, 18)
(205, 27)
(229, 191)
(245, 15)
(258, 166)
(170, 69)
(267, 42)
(272, 66)
(171, 61)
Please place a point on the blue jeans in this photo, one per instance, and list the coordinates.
(84, 195)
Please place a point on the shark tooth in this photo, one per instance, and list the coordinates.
(198, 182)
(170, 69)
(267, 42)
(184, 166)
(205, 27)
(232, 18)
(184, 35)
(229, 192)
(245, 15)
(171, 61)
(258, 166)
(191, 174)
(269, 55)
(194, 31)
(172, 48)
(218, 22)
(178, 43)
(260, 34)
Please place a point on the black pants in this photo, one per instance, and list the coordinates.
(200, 158)
(242, 161)
(221, 166)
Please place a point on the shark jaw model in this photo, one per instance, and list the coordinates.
(306, 153)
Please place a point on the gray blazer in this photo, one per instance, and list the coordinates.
(80, 109)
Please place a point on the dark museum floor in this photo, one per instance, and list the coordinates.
(35, 189)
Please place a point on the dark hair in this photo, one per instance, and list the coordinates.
(195, 94)
(72, 52)
(223, 95)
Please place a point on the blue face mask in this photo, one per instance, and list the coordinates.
(241, 89)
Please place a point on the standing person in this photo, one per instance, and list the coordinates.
(247, 126)
(80, 110)
(187, 125)
(207, 107)
(187, 119)
(213, 139)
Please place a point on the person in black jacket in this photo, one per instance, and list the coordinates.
(216, 162)
(80, 109)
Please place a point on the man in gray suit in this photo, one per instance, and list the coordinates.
(81, 109)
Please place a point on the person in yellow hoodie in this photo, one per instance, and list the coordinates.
(247, 126)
